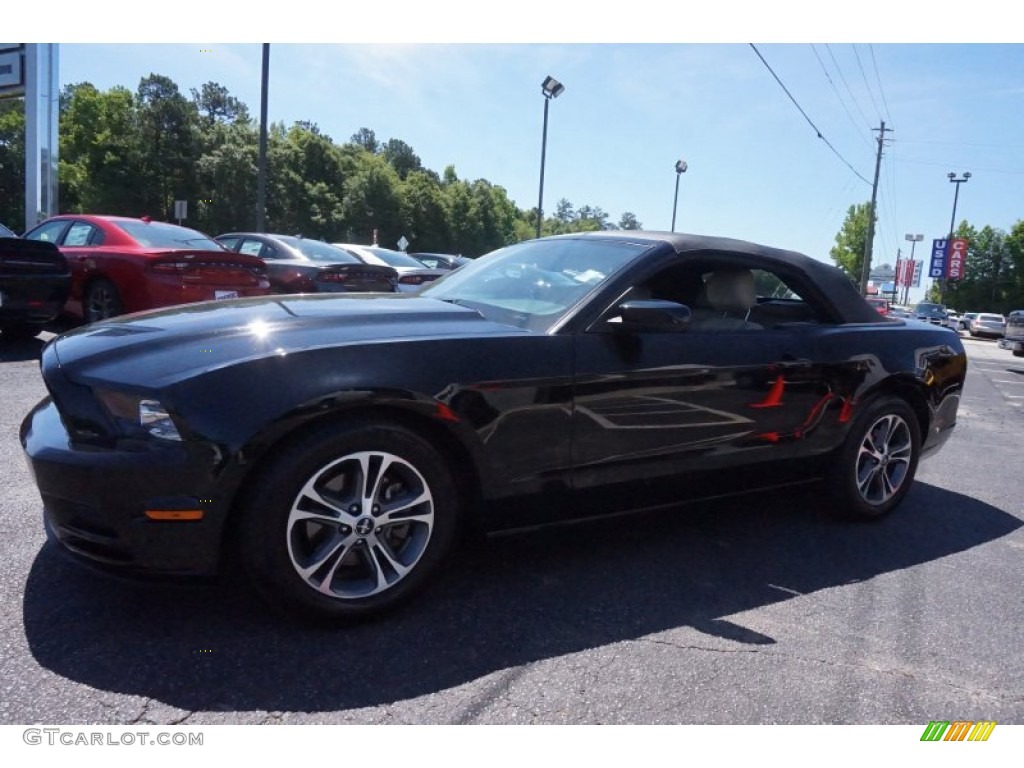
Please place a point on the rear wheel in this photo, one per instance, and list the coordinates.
(349, 522)
(101, 301)
(875, 468)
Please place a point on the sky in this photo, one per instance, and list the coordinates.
(644, 88)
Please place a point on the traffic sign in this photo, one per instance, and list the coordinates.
(403, 243)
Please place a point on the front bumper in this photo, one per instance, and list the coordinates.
(95, 499)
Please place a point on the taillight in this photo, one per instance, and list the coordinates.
(412, 280)
(171, 266)
(333, 277)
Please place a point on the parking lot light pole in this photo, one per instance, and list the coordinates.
(261, 168)
(551, 89)
(680, 170)
(952, 222)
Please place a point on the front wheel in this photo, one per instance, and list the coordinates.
(875, 467)
(349, 522)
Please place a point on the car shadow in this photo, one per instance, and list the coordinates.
(20, 350)
(501, 603)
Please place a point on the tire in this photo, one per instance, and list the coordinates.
(20, 331)
(875, 468)
(311, 546)
(101, 301)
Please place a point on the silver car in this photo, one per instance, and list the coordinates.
(992, 326)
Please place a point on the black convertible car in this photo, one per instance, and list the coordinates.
(337, 444)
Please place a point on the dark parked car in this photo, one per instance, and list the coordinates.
(299, 265)
(1013, 339)
(412, 274)
(123, 265)
(441, 260)
(336, 444)
(988, 325)
(930, 312)
(34, 284)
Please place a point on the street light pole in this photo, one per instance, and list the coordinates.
(952, 222)
(551, 89)
(261, 172)
(914, 240)
(680, 170)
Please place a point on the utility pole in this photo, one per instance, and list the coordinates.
(866, 268)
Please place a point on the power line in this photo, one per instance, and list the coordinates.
(972, 166)
(865, 78)
(879, 79)
(839, 97)
(965, 144)
(848, 90)
(809, 121)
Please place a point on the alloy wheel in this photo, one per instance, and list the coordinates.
(884, 459)
(360, 525)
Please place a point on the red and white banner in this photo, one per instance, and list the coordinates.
(957, 259)
(904, 272)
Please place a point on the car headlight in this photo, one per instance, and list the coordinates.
(135, 412)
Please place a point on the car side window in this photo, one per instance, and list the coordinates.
(80, 234)
(231, 243)
(724, 295)
(251, 247)
(48, 232)
(269, 252)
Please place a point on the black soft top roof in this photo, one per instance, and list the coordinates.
(832, 281)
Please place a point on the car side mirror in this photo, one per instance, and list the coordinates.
(654, 315)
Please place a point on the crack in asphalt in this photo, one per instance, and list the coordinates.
(846, 665)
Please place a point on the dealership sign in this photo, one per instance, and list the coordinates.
(957, 257)
(946, 261)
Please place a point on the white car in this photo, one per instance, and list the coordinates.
(412, 274)
(953, 319)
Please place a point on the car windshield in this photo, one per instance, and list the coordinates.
(990, 319)
(155, 234)
(5, 232)
(533, 284)
(394, 258)
(931, 309)
(319, 251)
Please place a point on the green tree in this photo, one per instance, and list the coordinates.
(12, 163)
(215, 104)
(628, 220)
(168, 124)
(424, 217)
(101, 157)
(366, 139)
(401, 157)
(372, 201)
(848, 252)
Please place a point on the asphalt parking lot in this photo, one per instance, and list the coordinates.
(754, 610)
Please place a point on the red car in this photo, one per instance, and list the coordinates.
(123, 265)
(880, 304)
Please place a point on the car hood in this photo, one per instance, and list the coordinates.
(157, 348)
